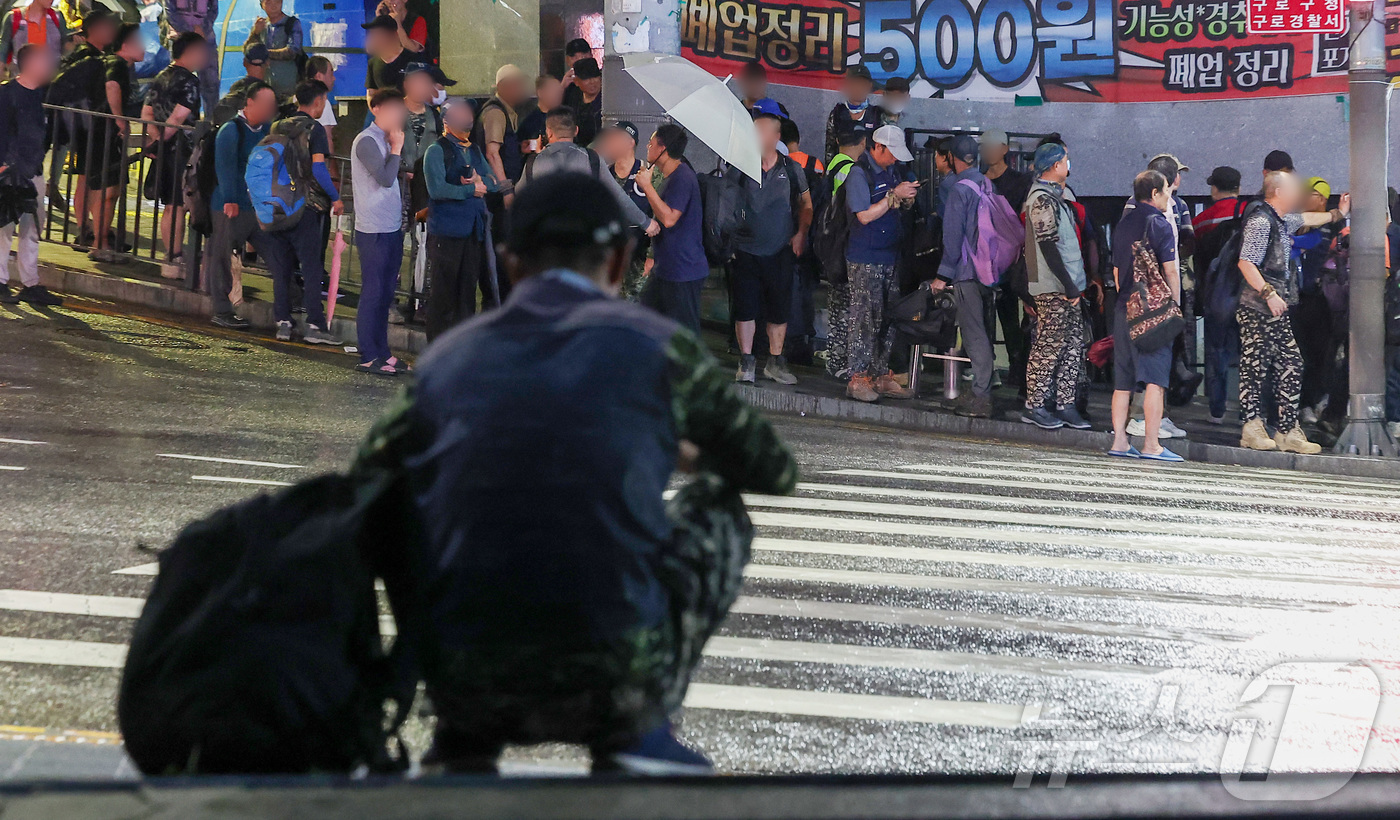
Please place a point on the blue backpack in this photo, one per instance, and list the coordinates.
(279, 176)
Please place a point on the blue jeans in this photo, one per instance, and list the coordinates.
(299, 245)
(1222, 348)
(381, 256)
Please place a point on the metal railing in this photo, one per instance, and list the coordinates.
(137, 172)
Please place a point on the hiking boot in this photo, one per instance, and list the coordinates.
(7, 295)
(970, 405)
(777, 370)
(1296, 441)
(861, 388)
(1042, 418)
(891, 389)
(39, 295)
(747, 366)
(1255, 437)
(1071, 417)
(316, 336)
(284, 331)
(231, 320)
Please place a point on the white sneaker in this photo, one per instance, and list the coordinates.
(1393, 428)
(1138, 427)
(1169, 430)
(1307, 415)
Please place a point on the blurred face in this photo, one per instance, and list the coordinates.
(102, 34)
(272, 7)
(379, 42)
(993, 153)
(196, 56)
(419, 87)
(41, 67)
(755, 87)
(391, 116)
(895, 102)
(460, 119)
(511, 90)
(257, 71)
(261, 107)
(133, 49)
(769, 131)
(856, 90)
(591, 87)
(551, 94)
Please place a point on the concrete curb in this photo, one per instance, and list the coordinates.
(891, 414)
(183, 302)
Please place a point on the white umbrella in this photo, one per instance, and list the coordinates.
(702, 103)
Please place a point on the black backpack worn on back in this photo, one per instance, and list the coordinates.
(80, 84)
(724, 205)
(259, 648)
(201, 178)
(1223, 277)
(831, 230)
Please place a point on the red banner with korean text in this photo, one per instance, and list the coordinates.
(1058, 50)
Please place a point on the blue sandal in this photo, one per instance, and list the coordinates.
(1131, 452)
(1166, 455)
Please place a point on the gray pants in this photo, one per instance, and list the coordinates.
(27, 253)
(971, 298)
(226, 236)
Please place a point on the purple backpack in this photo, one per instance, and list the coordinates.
(1001, 237)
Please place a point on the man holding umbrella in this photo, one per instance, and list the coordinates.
(679, 250)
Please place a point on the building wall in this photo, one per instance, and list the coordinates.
(480, 36)
(1110, 143)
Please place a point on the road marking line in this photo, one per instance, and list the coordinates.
(1377, 537)
(1284, 476)
(152, 569)
(1195, 546)
(12, 469)
(20, 441)
(858, 707)
(243, 462)
(1140, 490)
(998, 586)
(1242, 518)
(894, 657)
(1231, 474)
(74, 736)
(101, 606)
(1055, 562)
(227, 480)
(701, 696)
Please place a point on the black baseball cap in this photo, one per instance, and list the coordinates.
(965, 148)
(383, 21)
(256, 54)
(587, 69)
(629, 128)
(897, 84)
(565, 210)
(578, 45)
(1224, 178)
(1278, 161)
(859, 72)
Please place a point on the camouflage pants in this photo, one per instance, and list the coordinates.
(1269, 353)
(634, 280)
(870, 335)
(838, 307)
(527, 693)
(1057, 353)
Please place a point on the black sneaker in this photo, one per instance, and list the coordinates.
(1042, 418)
(231, 320)
(745, 372)
(39, 295)
(1072, 418)
(656, 754)
(7, 295)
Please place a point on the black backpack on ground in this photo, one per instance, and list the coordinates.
(259, 648)
(831, 231)
(927, 318)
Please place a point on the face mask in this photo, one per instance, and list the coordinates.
(855, 109)
(895, 106)
(440, 97)
(1068, 166)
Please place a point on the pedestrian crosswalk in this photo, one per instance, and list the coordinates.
(976, 595)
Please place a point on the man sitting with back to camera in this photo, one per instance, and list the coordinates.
(571, 602)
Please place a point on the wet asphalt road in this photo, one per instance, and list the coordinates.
(922, 604)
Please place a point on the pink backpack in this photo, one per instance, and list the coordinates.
(1001, 237)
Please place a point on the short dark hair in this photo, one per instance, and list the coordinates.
(317, 64)
(308, 90)
(561, 120)
(673, 139)
(97, 17)
(28, 52)
(251, 90)
(1147, 184)
(1051, 139)
(578, 45)
(185, 41)
(848, 136)
(382, 96)
(125, 32)
(753, 69)
(1167, 167)
(789, 131)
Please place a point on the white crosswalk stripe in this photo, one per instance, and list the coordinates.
(868, 570)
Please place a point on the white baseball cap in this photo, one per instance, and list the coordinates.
(892, 137)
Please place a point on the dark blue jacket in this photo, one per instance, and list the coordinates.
(454, 209)
(232, 146)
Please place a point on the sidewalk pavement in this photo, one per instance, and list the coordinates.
(67, 271)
